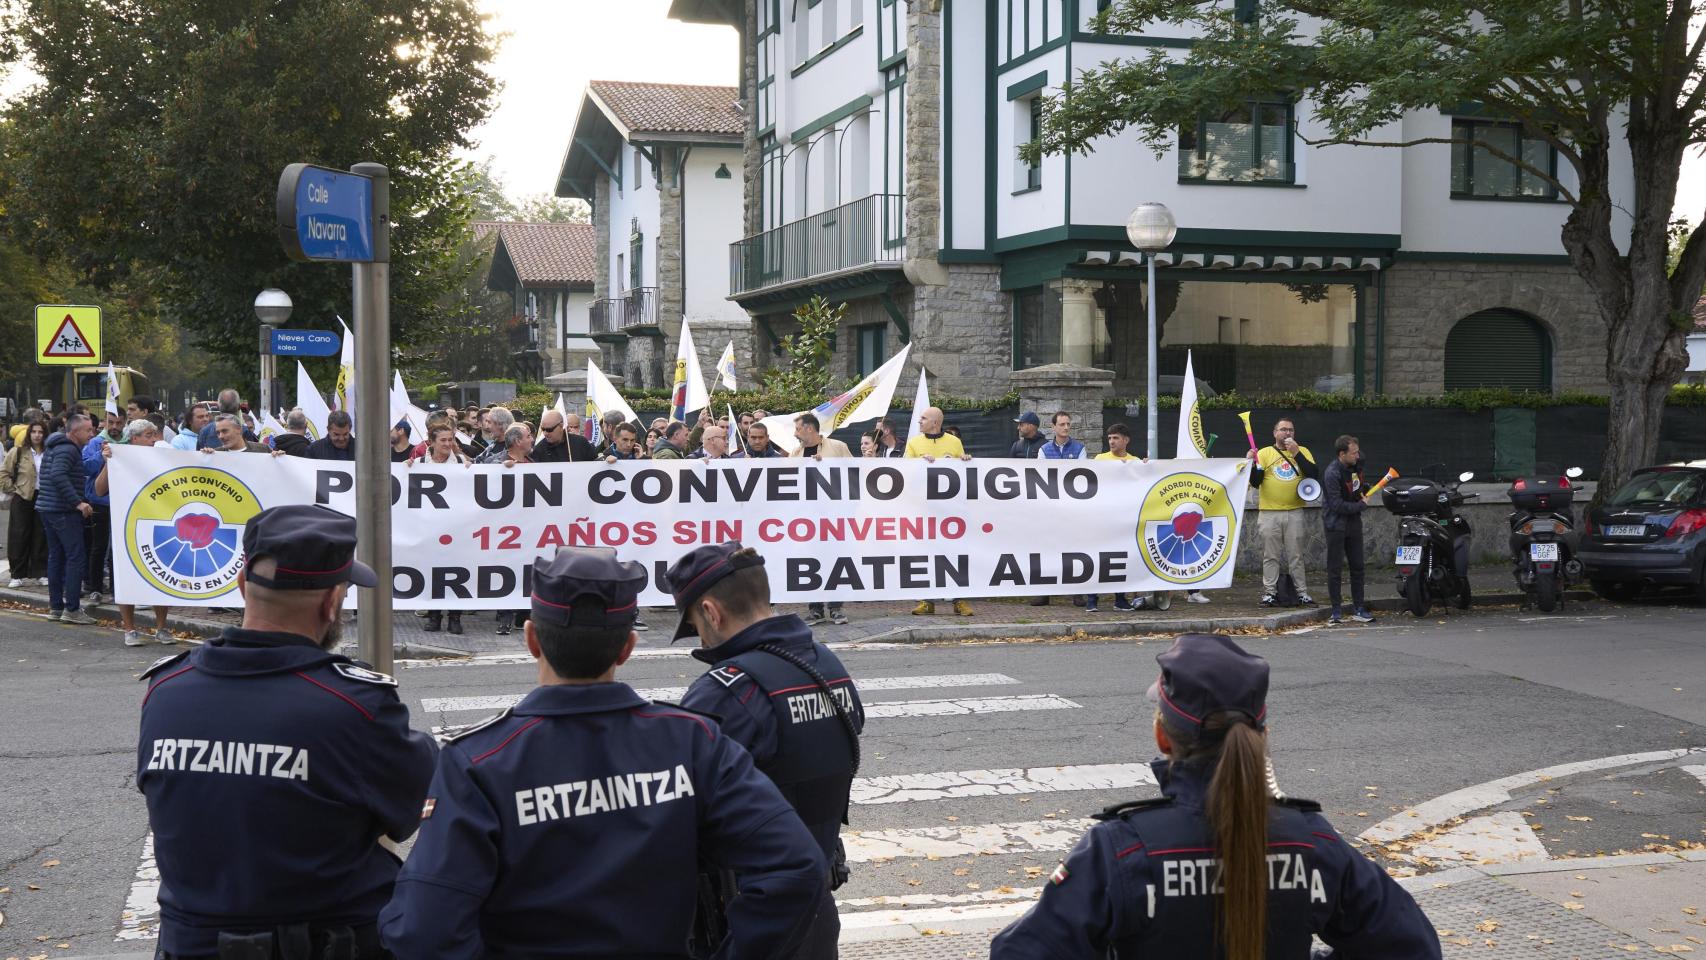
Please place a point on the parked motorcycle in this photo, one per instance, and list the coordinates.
(1543, 558)
(1433, 542)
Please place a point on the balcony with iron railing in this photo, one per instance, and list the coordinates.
(867, 234)
(605, 319)
(640, 310)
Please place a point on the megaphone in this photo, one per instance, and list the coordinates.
(1309, 489)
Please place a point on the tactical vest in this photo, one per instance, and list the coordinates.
(813, 763)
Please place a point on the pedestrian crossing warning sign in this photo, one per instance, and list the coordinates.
(67, 335)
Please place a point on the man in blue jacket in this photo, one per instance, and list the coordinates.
(1341, 514)
(63, 506)
(98, 530)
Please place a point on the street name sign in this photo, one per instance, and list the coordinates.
(303, 343)
(67, 335)
(325, 214)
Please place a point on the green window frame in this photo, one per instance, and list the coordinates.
(1034, 171)
(636, 254)
(1250, 143)
(1479, 175)
(871, 348)
(1498, 349)
(1245, 11)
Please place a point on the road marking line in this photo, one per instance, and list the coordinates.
(142, 906)
(640, 653)
(1699, 772)
(907, 918)
(941, 899)
(911, 787)
(1426, 816)
(866, 685)
(1499, 838)
(1558, 619)
(967, 706)
(989, 839)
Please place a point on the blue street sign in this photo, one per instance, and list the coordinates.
(305, 343)
(325, 214)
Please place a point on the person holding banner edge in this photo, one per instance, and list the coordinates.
(930, 443)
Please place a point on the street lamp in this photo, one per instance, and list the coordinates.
(1151, 229)
(272, 308)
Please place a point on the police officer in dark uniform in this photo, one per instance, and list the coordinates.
(783, 696)
(278, 773)
(1221, 865)
(573, 824)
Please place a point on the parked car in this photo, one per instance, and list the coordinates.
(1651, 532)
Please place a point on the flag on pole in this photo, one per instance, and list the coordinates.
(112, 389)
(734, 428)
(312, 403)
(867, 400)
(403, 409)
(726, 367)
(271, 429)
(344, 392)
(1192, 445)
(603, 397)
(920, 403)
(689, 394)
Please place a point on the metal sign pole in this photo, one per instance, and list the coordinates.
(269, 372)
(373, 433)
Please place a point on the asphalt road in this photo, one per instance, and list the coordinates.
(966, 805)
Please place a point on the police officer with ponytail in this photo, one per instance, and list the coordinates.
(780, 694)
(1221, 865)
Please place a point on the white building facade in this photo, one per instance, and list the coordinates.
(661, 166)
(883, 167)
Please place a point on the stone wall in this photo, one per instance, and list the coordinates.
(671, 296)
(641, 368)
(601, 233)
(1074, 389)
(923, 141)
(962, 331)
(1424, 301)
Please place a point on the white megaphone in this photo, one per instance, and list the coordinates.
(1309, 489)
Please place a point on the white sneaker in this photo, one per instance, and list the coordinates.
(14, 584)
(133, 639)
(163, 635)
(43, 581)
(92, 598)
(78, 616)
(1196, 596)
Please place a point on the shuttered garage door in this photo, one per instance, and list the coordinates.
(1498, 348)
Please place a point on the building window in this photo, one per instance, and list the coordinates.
(871, 349)
(1037, 323)
(1027, 127)
(636, 255)
(621, 273)
(1498, 349)
(1034, 132)
(1476, 173)
(1251, 143)
(1244, 11)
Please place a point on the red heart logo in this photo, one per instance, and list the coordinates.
(196, 529)
(1185, 524)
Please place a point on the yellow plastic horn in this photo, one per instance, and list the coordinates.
(1249, 434)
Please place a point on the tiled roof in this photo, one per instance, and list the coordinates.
(672, 107)
(483, 228)
(549, 254)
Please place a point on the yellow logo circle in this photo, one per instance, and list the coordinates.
(184, 531)
(1186, 528)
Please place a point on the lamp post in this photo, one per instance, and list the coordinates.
(272, 308)
(1151, 229)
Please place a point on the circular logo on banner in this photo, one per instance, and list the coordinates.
(1185, 528)
(184, 532)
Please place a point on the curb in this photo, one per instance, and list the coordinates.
(1456, 875)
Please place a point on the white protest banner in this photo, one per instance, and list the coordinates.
(465, 537)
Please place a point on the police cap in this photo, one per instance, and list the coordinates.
(312, 545)
(1203, 674)
(689, 577)
(586, 587)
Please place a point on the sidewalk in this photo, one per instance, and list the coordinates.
(1235, 608)
(1555, 910)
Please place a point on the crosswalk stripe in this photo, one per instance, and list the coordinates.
(898, 918)
(963, 707)
(913, 787)
(640, 653)
(988, 839)
(941, 899)
(866, 685)
(142, 905)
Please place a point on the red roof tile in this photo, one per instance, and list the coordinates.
(550, 254)
(672, 107)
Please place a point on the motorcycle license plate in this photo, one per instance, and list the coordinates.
(1409, 556)
(1543, 551)
(1635, 530)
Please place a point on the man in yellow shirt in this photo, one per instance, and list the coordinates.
(1278, 470)
(932, 443)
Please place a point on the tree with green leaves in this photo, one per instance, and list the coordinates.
(809, 351)
(1591, 78)
(150, 151)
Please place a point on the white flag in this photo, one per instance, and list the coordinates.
(343, 393)
(602, 396)
(726, 367)
(866, 400)
(402, 409)
(271, 429)
(689, 392)
(312, 403)
(734, 429)
(1192, 445)
(920, 403)
(112, 389)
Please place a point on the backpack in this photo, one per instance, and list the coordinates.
(1285, 592)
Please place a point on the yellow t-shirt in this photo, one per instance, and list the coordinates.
(946, 445)
(1109, 455)
(1280, 478)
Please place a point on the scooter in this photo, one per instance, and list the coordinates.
(1433, 542)
(1543, 561)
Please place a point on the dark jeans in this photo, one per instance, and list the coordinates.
(64, 557)
(1345, 546)
(98, 539)
(26, 541)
